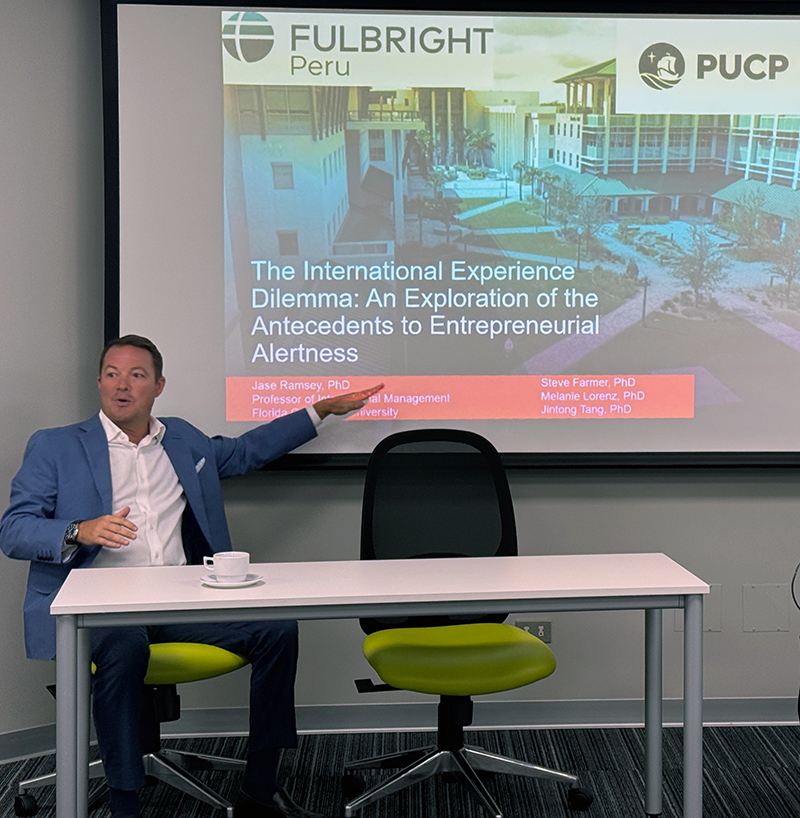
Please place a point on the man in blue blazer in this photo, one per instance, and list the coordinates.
(124, 488)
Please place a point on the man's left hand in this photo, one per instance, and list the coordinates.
(342, 404)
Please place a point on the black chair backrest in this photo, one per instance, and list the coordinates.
(435, 493)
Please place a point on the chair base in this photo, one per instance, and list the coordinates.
(173, 767)
(25, 804)
(464, 763)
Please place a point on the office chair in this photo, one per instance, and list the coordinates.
(171, 663)
(443, 493)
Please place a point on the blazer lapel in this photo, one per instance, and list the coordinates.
(95, 444)
(182, 461)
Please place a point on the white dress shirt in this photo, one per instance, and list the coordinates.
(143, 478)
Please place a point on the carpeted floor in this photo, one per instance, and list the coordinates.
(750, 772)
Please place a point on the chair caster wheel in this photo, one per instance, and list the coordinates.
(25, 805)
(352, 785)
(579, 800)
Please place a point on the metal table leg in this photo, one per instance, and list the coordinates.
(83, 701)
(66, 717)
(653, 716)
(693, 706)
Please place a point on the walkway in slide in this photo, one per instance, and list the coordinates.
(505, 231)
(568, 351)
(565, 353)
(516, 255)
(754, 314)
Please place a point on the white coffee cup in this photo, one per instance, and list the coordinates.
(229, 566)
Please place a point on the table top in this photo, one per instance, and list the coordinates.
(334, 584)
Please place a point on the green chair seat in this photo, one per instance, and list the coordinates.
(459, 660)
(178, 662)
(173, 663)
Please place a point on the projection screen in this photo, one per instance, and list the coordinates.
(578, 235)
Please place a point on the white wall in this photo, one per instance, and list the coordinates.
(51, 245)
(732, 528)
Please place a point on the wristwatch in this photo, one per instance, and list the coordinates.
(71, 534)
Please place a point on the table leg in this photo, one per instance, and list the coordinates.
(653, 716)
(83, 724)
(693, 706)
(66, 717)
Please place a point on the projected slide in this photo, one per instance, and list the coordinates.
(591, 223)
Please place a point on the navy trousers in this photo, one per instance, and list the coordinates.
(121, 656)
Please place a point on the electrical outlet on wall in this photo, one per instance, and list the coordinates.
(541, 628)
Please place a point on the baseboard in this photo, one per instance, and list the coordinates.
(420, 716)
(491, 715)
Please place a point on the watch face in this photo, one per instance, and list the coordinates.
(71, 537)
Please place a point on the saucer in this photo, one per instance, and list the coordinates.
(212, 581)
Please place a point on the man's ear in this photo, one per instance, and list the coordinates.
(160, 383)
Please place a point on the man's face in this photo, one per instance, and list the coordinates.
(128, 387)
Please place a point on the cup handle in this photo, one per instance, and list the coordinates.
(208, 562)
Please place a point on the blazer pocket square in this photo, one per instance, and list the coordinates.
(199, 465)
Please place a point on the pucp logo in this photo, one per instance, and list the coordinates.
(661, 66)
(247, 36)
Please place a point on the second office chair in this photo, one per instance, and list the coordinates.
(437, 493)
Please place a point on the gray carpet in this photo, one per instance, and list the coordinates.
(750, 772)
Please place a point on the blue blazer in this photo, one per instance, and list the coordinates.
(65, 476)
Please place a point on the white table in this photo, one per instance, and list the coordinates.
(344, 590)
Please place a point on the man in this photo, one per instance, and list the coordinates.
(125, 488)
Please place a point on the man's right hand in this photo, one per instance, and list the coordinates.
(110, 530)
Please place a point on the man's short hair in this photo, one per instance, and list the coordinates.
(140, 342)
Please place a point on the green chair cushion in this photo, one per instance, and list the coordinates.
(177, 662)
(459, 660)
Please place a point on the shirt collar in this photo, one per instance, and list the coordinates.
(115, 435)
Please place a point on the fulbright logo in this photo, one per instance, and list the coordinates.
(247, 36)
(661, 66)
